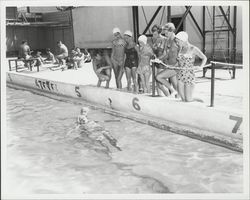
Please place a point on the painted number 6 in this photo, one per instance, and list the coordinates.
(135, 104)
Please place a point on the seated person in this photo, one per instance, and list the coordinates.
(79, 58)
(39, 59)
(50, 57)
(87, 57)
(102, 67)
(62, 53)
(72, 60)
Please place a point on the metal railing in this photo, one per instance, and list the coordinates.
(212, 64)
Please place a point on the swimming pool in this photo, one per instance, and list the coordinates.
(45, 155)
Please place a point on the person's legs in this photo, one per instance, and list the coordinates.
(147, 84)
(128, 76)
(142, 78)
(162, 78)
(158, 87)
(134, 78)
(173, 80)
(120, 74)
(108, 73)
(115, 68)
(99, 83)
(181, 88)
(188, 92)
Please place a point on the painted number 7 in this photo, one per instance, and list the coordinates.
(238, 123)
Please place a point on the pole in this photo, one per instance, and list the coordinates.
(212, 85)
(169, 14)
(153, 79)
(135, 22)
(234, 39)
(204, 29)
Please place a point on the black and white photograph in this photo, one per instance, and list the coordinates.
(124, 100)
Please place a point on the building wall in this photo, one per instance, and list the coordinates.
(41, 37)
(88, 21)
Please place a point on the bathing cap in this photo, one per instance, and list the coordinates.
(116, 30)
(129, 33)
(183, 36)
(85, 109)
(169, 26)
(143, 39)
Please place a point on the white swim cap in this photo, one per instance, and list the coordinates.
(116, 30)
(129, 33)
(85, 109)
(183, 36)
(143, 39)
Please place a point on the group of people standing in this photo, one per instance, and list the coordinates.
(172, 55)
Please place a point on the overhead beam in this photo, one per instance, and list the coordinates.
(152, 19)
(228, 23)
(183, 18)
(195, 22)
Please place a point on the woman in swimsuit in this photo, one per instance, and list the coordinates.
(186, 58)
(144, 68)
(158, 43)
(102, 67)
(118, 56)
(131, 62)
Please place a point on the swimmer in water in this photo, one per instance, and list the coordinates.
(95, 131)
(82, 118)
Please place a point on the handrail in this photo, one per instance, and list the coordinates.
(229, 64)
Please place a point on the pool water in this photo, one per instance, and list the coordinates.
(47, 155)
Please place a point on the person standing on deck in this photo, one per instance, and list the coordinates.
(131, 62)
(186, 74)
(158, 44)
(62, 53)
(144, 68)
(24, 52)
(170, 58)
(118, 56)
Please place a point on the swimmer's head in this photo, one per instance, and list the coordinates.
(84, 110)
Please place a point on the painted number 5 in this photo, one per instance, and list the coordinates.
(238, 123)
(135, 103)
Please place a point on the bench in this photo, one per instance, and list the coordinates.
(28, 61)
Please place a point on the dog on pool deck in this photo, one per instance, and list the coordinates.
(95, 131)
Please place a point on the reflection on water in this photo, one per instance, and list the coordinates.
(45, 154)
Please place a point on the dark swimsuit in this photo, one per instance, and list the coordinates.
(131, 58)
